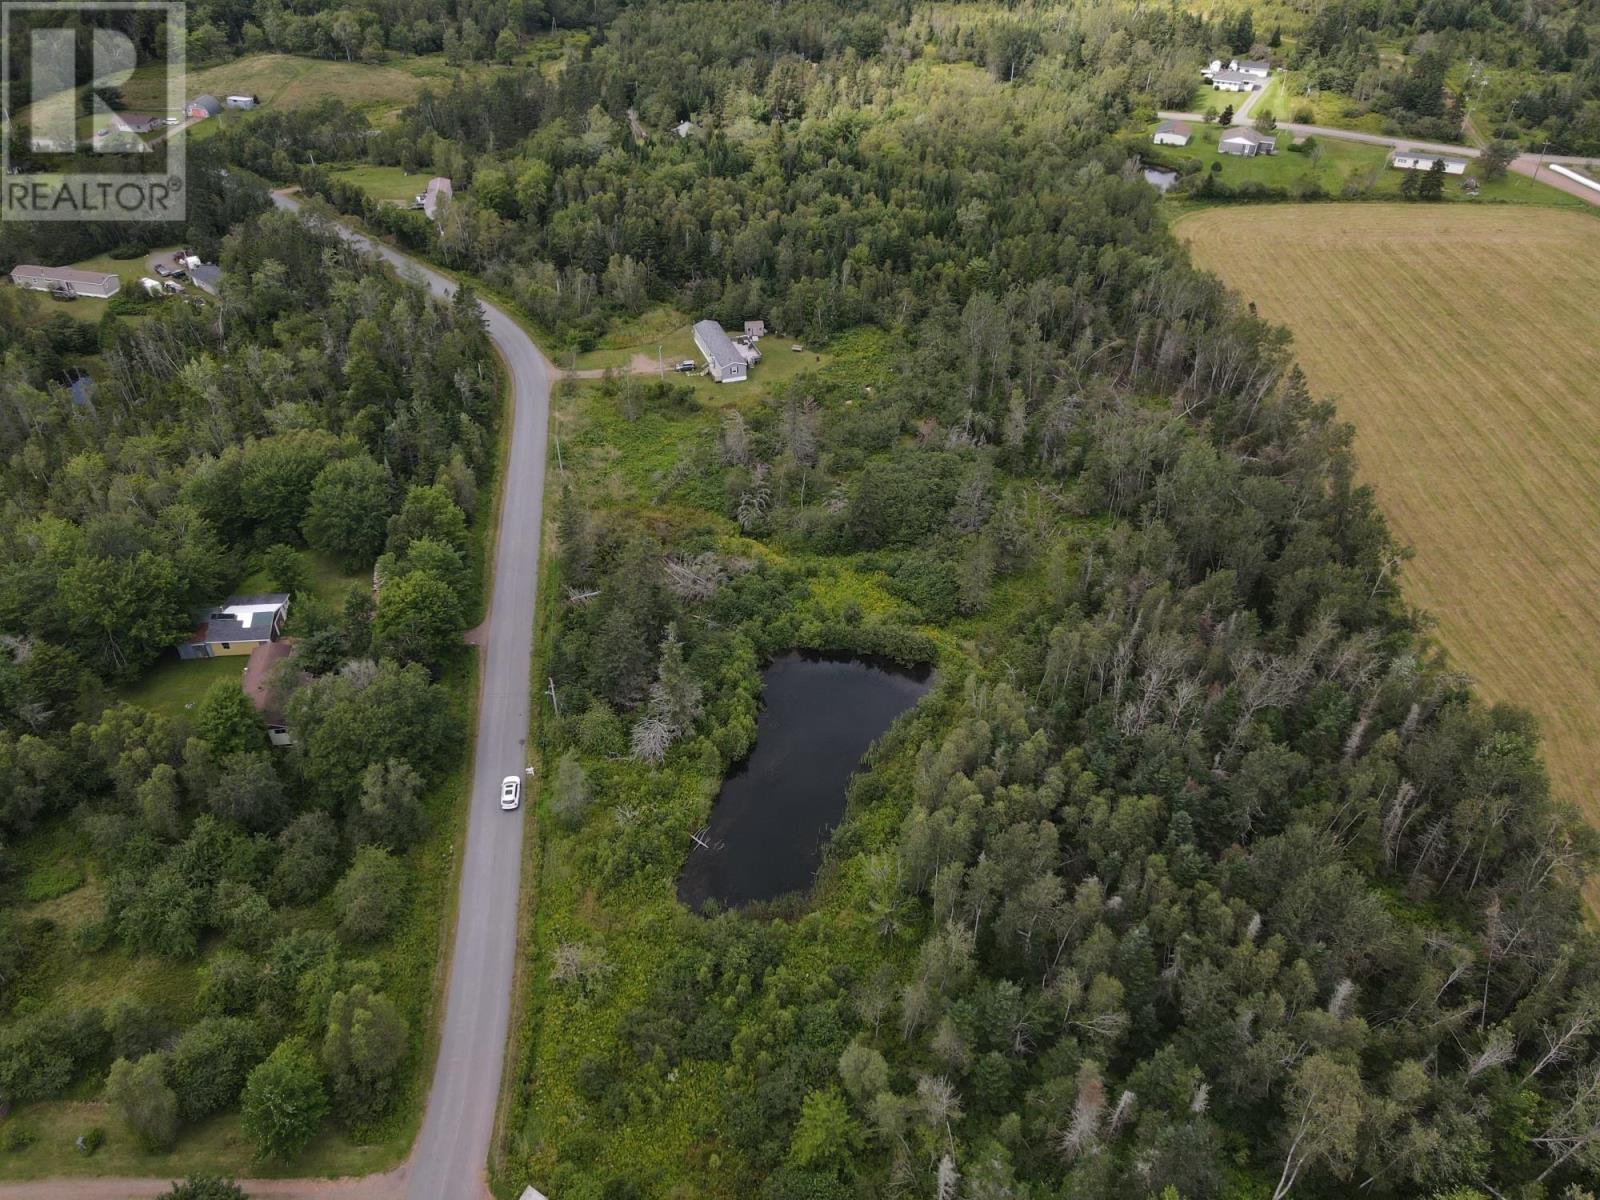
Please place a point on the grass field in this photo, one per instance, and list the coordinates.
(394, 184)
(1464, 344)
(1283, 98)
(1352, 169)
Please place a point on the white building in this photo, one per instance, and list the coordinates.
(1421, 160)
(1235, 81)
(1247, 66)
(245, 102)
(723, 360)
(66, 281)
(1171, 133)
(1246, 143)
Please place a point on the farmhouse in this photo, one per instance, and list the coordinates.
(66, 281)
(237, 626)
(439, 190)
(724, 362)
(1171, 133)
(1247, 143)
(1421, 160)
(202, 107)
(244, 102)
(1235, 81)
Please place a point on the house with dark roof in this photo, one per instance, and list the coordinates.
(724, 362)
(207, 277)
(1246, 143)
(237, 626)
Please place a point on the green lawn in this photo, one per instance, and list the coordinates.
(665, 336)
(329, 581)
(393, 184)
(1340, 168)
(173, 685)
(1284, 97)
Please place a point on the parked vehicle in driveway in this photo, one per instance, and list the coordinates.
(685, 366)
(510, 792)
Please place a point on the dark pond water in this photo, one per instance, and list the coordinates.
(1159, 179)
(818, 717)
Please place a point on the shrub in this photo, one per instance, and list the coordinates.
(91, 1140)
(370, 897)
(209, 1065)
(140, 1093)
(284, 1104)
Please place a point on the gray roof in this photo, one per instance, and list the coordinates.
(220, 625)
(1246, 64)
(207, 276)
(1233, 77)
(719, 348)
(1173, 127)
(1245, 135)
(208, 102)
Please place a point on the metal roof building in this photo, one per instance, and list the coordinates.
(723, 359)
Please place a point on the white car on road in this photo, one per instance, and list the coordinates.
(510, 792)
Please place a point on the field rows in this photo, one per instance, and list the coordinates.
(1486, 459)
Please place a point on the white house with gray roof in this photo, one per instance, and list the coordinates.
(1171, 133)
(66, 281)
(724, 362)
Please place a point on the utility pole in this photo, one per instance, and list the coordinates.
(1540, 163)
(661, 362)
(554, 703)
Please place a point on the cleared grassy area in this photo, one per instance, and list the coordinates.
(1341, 168)
(288, 81)
(175, 685)
(1284, 97)
(393, 184)
(664, 336)
(1464, 344)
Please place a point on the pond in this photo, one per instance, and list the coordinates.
(819, 716)
(1159, 179)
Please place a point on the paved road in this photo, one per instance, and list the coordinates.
(450, 1157)
(1532, 165)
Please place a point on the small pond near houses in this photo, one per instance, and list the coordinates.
(819, 715)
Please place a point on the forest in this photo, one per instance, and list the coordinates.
(195, 923)
(1200, 874)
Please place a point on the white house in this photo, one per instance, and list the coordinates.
(1247, 143)
(1237, 66)
(1171, 133)
(723, 360)
(1235, 81)
(244, 102)
(66, 281)
(1421, 160)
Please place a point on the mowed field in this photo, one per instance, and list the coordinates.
(1464, 345)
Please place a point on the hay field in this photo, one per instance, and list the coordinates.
(1464, 345)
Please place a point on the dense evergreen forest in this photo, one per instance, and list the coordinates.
(237, 923)
(1199, 875)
